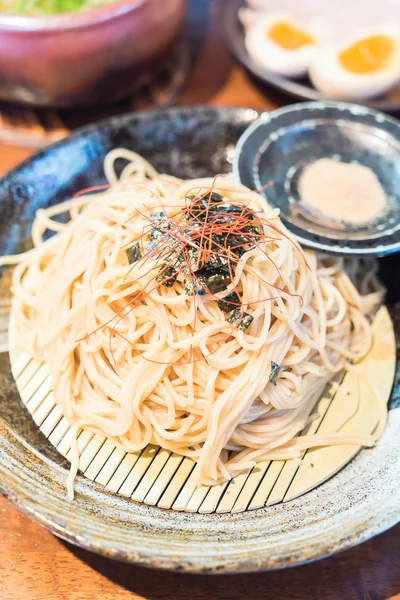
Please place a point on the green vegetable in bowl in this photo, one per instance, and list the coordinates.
(40, 7)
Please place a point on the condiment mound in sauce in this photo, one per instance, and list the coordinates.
(342, 191)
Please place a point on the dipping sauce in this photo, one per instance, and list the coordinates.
(342, 191)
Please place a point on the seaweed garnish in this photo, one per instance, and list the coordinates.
(133, 253)
(201, 246)
(240, 319)
(275, 368)
(194, 288)
(215, 281)
(230, 301)
(167, 276)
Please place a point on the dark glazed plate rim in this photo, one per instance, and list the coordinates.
(125, 119)
(386, 244)
(296, 90)
(335, 516)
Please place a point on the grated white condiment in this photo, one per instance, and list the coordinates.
(342, 191)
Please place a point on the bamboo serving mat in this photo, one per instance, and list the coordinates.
(161, 478)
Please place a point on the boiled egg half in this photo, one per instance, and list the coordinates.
(363, 66)
(283, 45)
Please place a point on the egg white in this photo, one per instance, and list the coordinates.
(248, 17)
(275, 58)
(334, 81)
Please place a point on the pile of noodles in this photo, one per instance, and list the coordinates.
(140, 362)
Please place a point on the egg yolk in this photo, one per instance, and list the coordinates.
(289, 37)
(368, 55)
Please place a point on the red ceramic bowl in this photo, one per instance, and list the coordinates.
(86, 57)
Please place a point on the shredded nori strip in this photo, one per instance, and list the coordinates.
(234, 209)
(210, 280)
(239, 251)
(157, 233)
(228, 303)
(167, 276)
(241, 319)
(214, 197)
(218, 262)
(202, 206)
(275, 368)
(194, 288)
(216, 282)
(133, 253)
(189, 261)
(234, 242)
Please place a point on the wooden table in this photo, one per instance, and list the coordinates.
(35, 565)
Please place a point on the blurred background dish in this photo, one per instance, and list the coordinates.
(46, 7)
(361, 66)
(328, 27)
(26, 126)
(84, 58)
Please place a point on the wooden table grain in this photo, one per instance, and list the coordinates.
(35, 565)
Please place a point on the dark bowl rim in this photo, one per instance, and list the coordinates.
(123, 117)
(324, 244)
(70, 20)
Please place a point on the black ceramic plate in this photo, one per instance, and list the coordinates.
(300, 89)
(359, 502)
